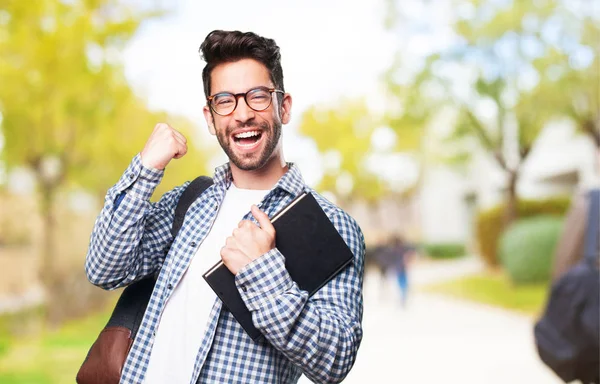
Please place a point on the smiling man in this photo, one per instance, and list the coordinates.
(187, 336)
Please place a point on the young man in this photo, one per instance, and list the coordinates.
(186, 335)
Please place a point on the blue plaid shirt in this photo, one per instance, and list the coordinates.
(317, 336)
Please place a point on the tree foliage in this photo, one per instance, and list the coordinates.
(67, 111)
(64, 96)
(508, 68)
(343, 134)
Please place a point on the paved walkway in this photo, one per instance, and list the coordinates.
(441, 340)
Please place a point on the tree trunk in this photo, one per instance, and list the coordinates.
(48, 245)
(511, 212)
(48, 272)
(593, 130)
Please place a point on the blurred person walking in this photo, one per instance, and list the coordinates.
(398, 256)
(186, 336)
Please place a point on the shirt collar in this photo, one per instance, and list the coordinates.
(291, 182)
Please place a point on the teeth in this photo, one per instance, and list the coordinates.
(246, 135)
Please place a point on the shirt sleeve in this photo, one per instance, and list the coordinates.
(320, 334)
(131, 235)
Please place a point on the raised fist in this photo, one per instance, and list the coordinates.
(164, 144)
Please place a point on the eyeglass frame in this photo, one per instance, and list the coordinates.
(236, 96)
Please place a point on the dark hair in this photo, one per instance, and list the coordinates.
(229, 46)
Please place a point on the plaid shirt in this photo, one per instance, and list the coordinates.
(317, 336)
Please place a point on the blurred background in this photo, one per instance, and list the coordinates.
(467, 128)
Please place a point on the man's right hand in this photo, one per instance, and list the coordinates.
(164, 144)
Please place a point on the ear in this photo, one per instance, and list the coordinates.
(209, 120)
(286, 108)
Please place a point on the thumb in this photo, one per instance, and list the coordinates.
(263, 219)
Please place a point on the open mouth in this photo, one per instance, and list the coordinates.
(247, 139)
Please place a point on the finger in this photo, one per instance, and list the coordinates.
(180, 136)
(181, 151)
(178, 139)
(159, 126)
(233, 259)
(230, 242)
(246, 224)
(263, 219)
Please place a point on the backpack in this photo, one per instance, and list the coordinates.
(567, 335)
(106, 357)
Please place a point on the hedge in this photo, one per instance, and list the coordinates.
(444, 250)
(489, 224)
(526, 248)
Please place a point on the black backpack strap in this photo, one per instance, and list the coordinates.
(191, 193)
(133, 301)
(131, 306)
(592, 231)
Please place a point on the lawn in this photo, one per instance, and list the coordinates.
(495, 289)
(53, 357)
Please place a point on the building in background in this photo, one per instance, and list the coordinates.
(560, 163)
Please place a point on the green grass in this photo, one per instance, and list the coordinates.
(497, 290)
(52, 357)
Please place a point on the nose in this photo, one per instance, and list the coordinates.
(243, 112)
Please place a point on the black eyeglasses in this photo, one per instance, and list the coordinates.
(259, 99)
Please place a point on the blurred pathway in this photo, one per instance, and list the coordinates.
(442, 340)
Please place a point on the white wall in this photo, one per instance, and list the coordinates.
(443, 212)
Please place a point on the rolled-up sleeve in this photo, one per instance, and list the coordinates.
(131, 235)
(320, 334)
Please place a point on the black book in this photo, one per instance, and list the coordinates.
(313, 249)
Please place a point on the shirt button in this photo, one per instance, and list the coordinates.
(193, 244)
(154, 333)
(170, 286)
(244, 288)
(131, 176)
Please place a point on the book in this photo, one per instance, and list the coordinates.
(314, 253)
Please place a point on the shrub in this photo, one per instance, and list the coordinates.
(489, 224)
(527, 248)
(444, 250)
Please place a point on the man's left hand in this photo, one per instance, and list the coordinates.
(248, 241)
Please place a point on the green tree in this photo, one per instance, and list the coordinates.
(342, 134)
(511, 67)
(67, 111)
(411, 110)
(571, 75)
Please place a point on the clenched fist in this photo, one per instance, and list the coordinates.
(164, 144)
(248, 241)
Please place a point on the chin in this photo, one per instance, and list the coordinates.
(248, 164)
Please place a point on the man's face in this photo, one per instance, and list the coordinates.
(249, 138)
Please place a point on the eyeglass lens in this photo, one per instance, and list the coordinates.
(258, 99)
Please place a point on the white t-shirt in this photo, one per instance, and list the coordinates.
(186, 313)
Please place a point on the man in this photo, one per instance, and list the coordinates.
(400, 256)
(186, 335)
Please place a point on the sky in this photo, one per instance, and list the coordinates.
(330, 49)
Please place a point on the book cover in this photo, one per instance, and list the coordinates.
(313, 249)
